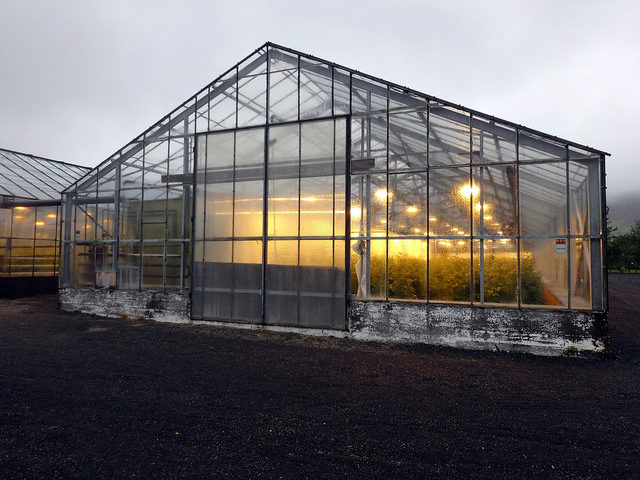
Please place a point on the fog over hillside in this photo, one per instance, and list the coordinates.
(624, 209)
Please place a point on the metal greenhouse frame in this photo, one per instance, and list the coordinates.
(292, 189)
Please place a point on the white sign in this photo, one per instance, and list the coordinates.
(561, 245)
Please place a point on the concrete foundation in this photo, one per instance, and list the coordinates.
(156, 305)
(542, 332)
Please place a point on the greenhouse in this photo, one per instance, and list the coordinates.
(30, 189)
(296, 192)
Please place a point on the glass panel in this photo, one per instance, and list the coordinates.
(449, 271)
(317, 280)
(84, 266)
(129, 265)
(46, 223)
(341, 92)
(494, 206)
(368, 144)
(152, 265)
(495, 272)
(492, 142)
(315, 89)
(23, 222)
(252, 108)
(536, 148)
(543, 199)
(584, 188)
(369, 205)
(283, 175)
(407, 269)
(408, 204)
(219, 218)
(283, 95)
(222, 103)
(450, 195)
(367, 95)
(156, 156)
(544, 267)
(130, 213)
(249, 184)
(368, 277)
(282, 283)
(339, 297)
(247, 281)
(408, 140)
(448, 136)
(175, 257)
(217, 280)
(580, 273)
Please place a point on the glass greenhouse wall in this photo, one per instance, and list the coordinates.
(30, 189)
(291, 186)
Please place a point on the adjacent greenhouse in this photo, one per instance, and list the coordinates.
(30, 189)
(292, 191)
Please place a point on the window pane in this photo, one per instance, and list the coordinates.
(544, 267)
(580, 273)
(408, 204)
(217, 280)
(449, 271)
(408, 140)
(494, 207)
(408, 269)
(282, 283)
(247, 281)
(317, 280)
(368, 277)
(448, 136)
(543, 199)
(450, 194)
(492, 142)
(495, 272)
(369, 205)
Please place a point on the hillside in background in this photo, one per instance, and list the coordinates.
(624, 210)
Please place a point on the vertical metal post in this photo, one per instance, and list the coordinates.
(265, 194)
(595, 228)
(471, 282)
(568, 225)
(116, 223)
(604, 235)
(518, 231)
(481, 219)
(347, 221)
(428, 224)
(33, 252)
(186, 199)
(386, 161)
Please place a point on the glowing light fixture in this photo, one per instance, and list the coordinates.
(460, 232)
(433, 219)
(383, 221)
(51, 215)
(381, 194)
(488, 217)
(18, 216)
(412, 209)
(478, 207)
(21, 208)
(467, 190)
(416, 230)
(461, 242)
(356, 212)
(39, 223)
(309, 199)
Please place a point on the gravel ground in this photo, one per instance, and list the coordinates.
(89, 397)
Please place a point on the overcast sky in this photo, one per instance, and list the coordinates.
(79, 79)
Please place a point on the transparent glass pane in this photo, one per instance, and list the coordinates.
(247, 281)
(156, 163)
(584, 188)
(449, 271)
(369, 205)
(283, 183)
(535, 148)
(407, 269)
(341, 92)
(152, 265)
(580, 273)
(129, 265)
(23, 222)
(450, 198)
(494, 207)
(543, 199)
(283, 95)
(252, 108)
(368, 277)
(315, 89)
(282, 282)
(317, 283)
(219, 209)
(544, 267)
(495, 272)
(448, 136)
(492, 143)
(222, 103)
(408, 140)
(369, 144)
(46, 223)
(408, 204)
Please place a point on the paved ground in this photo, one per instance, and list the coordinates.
(88, 397)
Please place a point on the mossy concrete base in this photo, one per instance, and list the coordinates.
(542, 332)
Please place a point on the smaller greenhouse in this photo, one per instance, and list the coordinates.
(30, 189)
(295, 192)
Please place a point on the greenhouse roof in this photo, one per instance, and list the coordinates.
(36, 178)
(238, 98)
